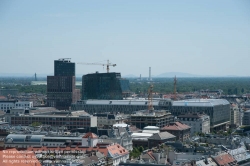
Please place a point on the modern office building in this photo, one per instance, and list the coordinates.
(246, 118)
(104, 86)
(217, 109)
(159, 118)
(121, 106)
(61, 91)
(199, 123)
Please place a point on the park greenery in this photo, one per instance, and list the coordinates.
(136, 152)
(229, 85)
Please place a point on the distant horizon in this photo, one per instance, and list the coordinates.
(168, 75)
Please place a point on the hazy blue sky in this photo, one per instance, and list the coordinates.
(197, 37)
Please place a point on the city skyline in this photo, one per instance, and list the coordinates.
(201, 38)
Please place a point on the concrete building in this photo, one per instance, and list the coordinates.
(10, 104)
(7, 105)
(105, 119)
(217, 109)
(159, 138)
(224, 159)
(235, 117)
(24, 104)
(246, 118)
(178, 129)
(61, 91)
(143, 118)
(118, 135)
(121, 106)
(71, 120)
(199, 123)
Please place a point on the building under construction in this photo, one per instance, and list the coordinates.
(104, 86)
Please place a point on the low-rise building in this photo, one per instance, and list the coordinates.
(7, 105)
(224, 159)
(159, 118)
(199, 123)
(69, 119)
(235, 118)
(217, 109)
(10, 104)
(178, 129)
(105, 119)
(159, 138)
(246, 118)
(113, 152)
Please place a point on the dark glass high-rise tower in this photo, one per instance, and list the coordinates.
(61, 90)
(63, 67)
(107, 86)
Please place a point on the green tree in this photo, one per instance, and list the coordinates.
(141, 149)
(35, 124)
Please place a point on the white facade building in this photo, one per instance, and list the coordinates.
(235, 118)
(10, 104)
(24, 104)
(7, 105)
(199, 123)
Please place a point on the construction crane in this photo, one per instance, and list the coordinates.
(105, 64)
(150, 99)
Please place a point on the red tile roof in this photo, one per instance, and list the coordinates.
(117, 149)
(224, 159)
(19, 158)
(176, 126)
(91, 135)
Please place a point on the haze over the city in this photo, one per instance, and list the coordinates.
(209, 38)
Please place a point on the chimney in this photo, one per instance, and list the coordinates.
(149, 74)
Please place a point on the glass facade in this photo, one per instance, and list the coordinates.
(103, 86)
(63, 67)
(61, 90)
(218, 114)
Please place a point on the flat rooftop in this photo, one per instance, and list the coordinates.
(200, 102)
(121, 102)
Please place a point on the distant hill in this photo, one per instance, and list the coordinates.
(177, 74)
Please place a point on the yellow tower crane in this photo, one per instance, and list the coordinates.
(102, 64)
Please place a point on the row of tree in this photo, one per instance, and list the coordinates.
(229, 86)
